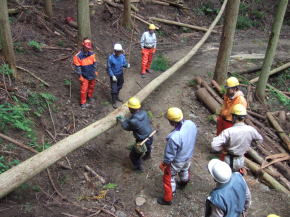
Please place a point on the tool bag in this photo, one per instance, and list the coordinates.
(140, 147)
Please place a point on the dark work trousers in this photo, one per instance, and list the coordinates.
(116, 86)
(136, 157)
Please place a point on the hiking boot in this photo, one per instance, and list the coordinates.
(143, 76)
(114, 105)
(149, 71)
(90, 100)
(139, 169)
(161, 201)
(181, 185)
(83, 106)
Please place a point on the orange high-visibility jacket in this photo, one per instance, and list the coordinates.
(226, 111)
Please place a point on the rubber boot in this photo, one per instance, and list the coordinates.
(161, 201)
(114, 99)
(118, 98)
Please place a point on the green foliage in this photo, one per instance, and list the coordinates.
(192, 83)
(36, 45)
(150, 115)
(5, 69)
(160, 63)
(208, 9)
(249, 18)
(110, 186)
(15, 117)
(282, 80)
(60, 43)
(160, 33)
(40, 148)
(18, 47)
(6, 165)
(282, 98)
(38, 101)
(67, 82)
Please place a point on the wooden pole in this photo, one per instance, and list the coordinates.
(180, 24)
(19, 174)
(274, 71)
(269, 179)
(280, 131)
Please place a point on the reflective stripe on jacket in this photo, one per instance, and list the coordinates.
(85, 64)
(227, 107)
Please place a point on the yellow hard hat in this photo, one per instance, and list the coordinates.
(134, 103)
(174, 114)
(232, 82)
(239, 109)
(152, 27)
(272, 215)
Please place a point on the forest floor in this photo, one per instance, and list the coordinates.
(108, 153)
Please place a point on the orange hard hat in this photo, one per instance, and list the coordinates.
(87, 44)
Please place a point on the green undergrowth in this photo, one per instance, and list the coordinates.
(6, 164)
(5, 69)
(37, 46)
(160, 63)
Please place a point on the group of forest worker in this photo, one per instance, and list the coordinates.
(86, 66)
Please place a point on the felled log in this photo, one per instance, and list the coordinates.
(180, 24)
(212, 92)
(159, 3)
(282, 117)
(115, 5)
(254, 114)
(253, 70)
(272, 72)
(271, 170)
(12, 11)
(249, 95)
(203, 95)
(12, 178)
(217, 87)
(143, 21)
(280, 131)
(268, 178)
(174, 4)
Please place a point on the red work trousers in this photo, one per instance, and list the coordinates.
(167, 184)
(222, 124)
(147, 55)
(87, 89)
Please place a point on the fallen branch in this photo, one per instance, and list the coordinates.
(217, 87)
(52, 121)
(262, 117)
(269, 179)
(159, 3)
(12, 178)
(180, 24)
(274, 71)
(57, 48)
(8, 88)
(33, 75)
(280, 131)
(53, 185)
(143, 21)
(102, 180)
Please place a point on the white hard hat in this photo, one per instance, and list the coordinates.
(220, 171)
(118, 47)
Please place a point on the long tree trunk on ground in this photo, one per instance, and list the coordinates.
(19, 174)
(84, 24)
(126, 20)
(227, 39)
(271, 49)
(5, 36)
(48, 8)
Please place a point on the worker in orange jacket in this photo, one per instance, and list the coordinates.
(148, 46)
(232, 97)
(85, 67)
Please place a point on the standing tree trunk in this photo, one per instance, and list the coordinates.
(271, 49)
(126, 20)
(48, 8)
(227, 38)
(84, 24)
(6, 38)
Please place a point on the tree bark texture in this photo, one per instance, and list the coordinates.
(19, 174)
(48, 8)
(126, 20)
(271, 49)
(84, 23)
(6, 38)
(227, 39)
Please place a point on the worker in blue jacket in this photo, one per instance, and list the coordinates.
(116, 63)
(140, 124)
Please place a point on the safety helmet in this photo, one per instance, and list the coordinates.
(174, 114)
(134, 103)
(239, 109)
(220, 171)
(87, 43)
(272, 215)
(152, 27)
(232, 82)
(118, 47)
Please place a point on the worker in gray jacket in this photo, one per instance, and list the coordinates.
(235, 141)
(231, 197)
(140, 124)
(177, 155)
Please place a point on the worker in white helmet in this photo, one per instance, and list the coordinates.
(231, 196)
(116, 62)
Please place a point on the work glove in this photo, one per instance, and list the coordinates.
(163, 166)
(114, 78)
(81, 78)
(120, 118)
(97, 73)
(154, 50)
(128, 65)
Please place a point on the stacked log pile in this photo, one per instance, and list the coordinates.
(270, 160)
